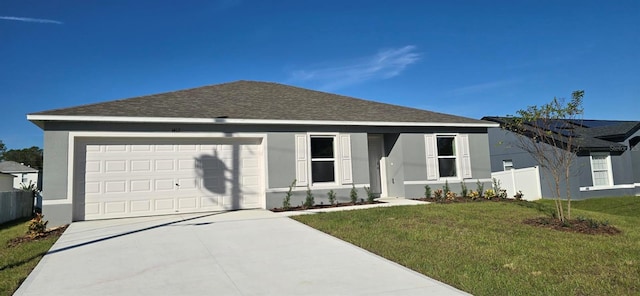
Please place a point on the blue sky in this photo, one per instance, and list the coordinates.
(469, 58)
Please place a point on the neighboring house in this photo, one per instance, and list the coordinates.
(24, 174)
(607, 162)
(6, 182)
(241, 145)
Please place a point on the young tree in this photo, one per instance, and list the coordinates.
(547, 133)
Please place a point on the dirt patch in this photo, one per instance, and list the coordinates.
(585, 226)
(323, 206)
(28, 238)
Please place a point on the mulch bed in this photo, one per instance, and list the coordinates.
(459, 199)
(323, 206)
(28, 238)
(574, 225)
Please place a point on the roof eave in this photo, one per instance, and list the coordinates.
(39, 120)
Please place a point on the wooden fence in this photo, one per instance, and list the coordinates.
(15, 205)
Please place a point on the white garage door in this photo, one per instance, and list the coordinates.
(128, 178)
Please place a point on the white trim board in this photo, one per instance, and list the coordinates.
(328, 187)
(451, 181)
(617, 186)
(36, 117)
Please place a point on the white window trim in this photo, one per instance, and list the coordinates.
(342, 159)
(609, 170)
(457, 156)
(504, 164)
(336, 156)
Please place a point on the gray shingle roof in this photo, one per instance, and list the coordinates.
(593, 134)
(258, 100)
(14, 167)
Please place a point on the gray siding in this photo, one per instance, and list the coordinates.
(56, 159)
(502, 146)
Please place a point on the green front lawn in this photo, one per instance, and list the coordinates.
(485, 249)
(17, 262)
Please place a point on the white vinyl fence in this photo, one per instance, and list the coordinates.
(15, 205)
(526, 180)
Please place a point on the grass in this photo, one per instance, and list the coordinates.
(485, 249)
(17, 262)
(621, 206)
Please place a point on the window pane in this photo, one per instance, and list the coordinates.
(322, 171)
(447, 167)
(446, 146)
(321, 147)
(600, 178)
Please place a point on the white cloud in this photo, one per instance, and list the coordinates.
(30, 20)
(383, 65)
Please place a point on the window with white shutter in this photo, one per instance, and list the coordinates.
(448, 156)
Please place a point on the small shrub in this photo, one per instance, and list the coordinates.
(479, 187)
(445, 188)
(474, 194)
(427, 191)
(519, 195)
(464, 190)
(437, 194)
(37, 226)
(497, 189)
(592, 223)
(370, 195)
(354, 195)
(451, 195)
(286, 202)
(489, 193)
(332, 197)
(309, 200)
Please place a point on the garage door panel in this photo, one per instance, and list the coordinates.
(164, 204)
(138, 206)
(138, 177)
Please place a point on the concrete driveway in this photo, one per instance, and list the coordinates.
(253, 252)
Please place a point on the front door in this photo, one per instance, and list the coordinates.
(376, 152)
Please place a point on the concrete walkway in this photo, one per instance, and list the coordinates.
(251, 252)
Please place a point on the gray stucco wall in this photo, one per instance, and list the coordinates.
(57, 214)
(480, 156)
(280, 159)
(282, 171)
(415, 164)
(274, 199)
(414, 157)
(280, 149)
(55, 159)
